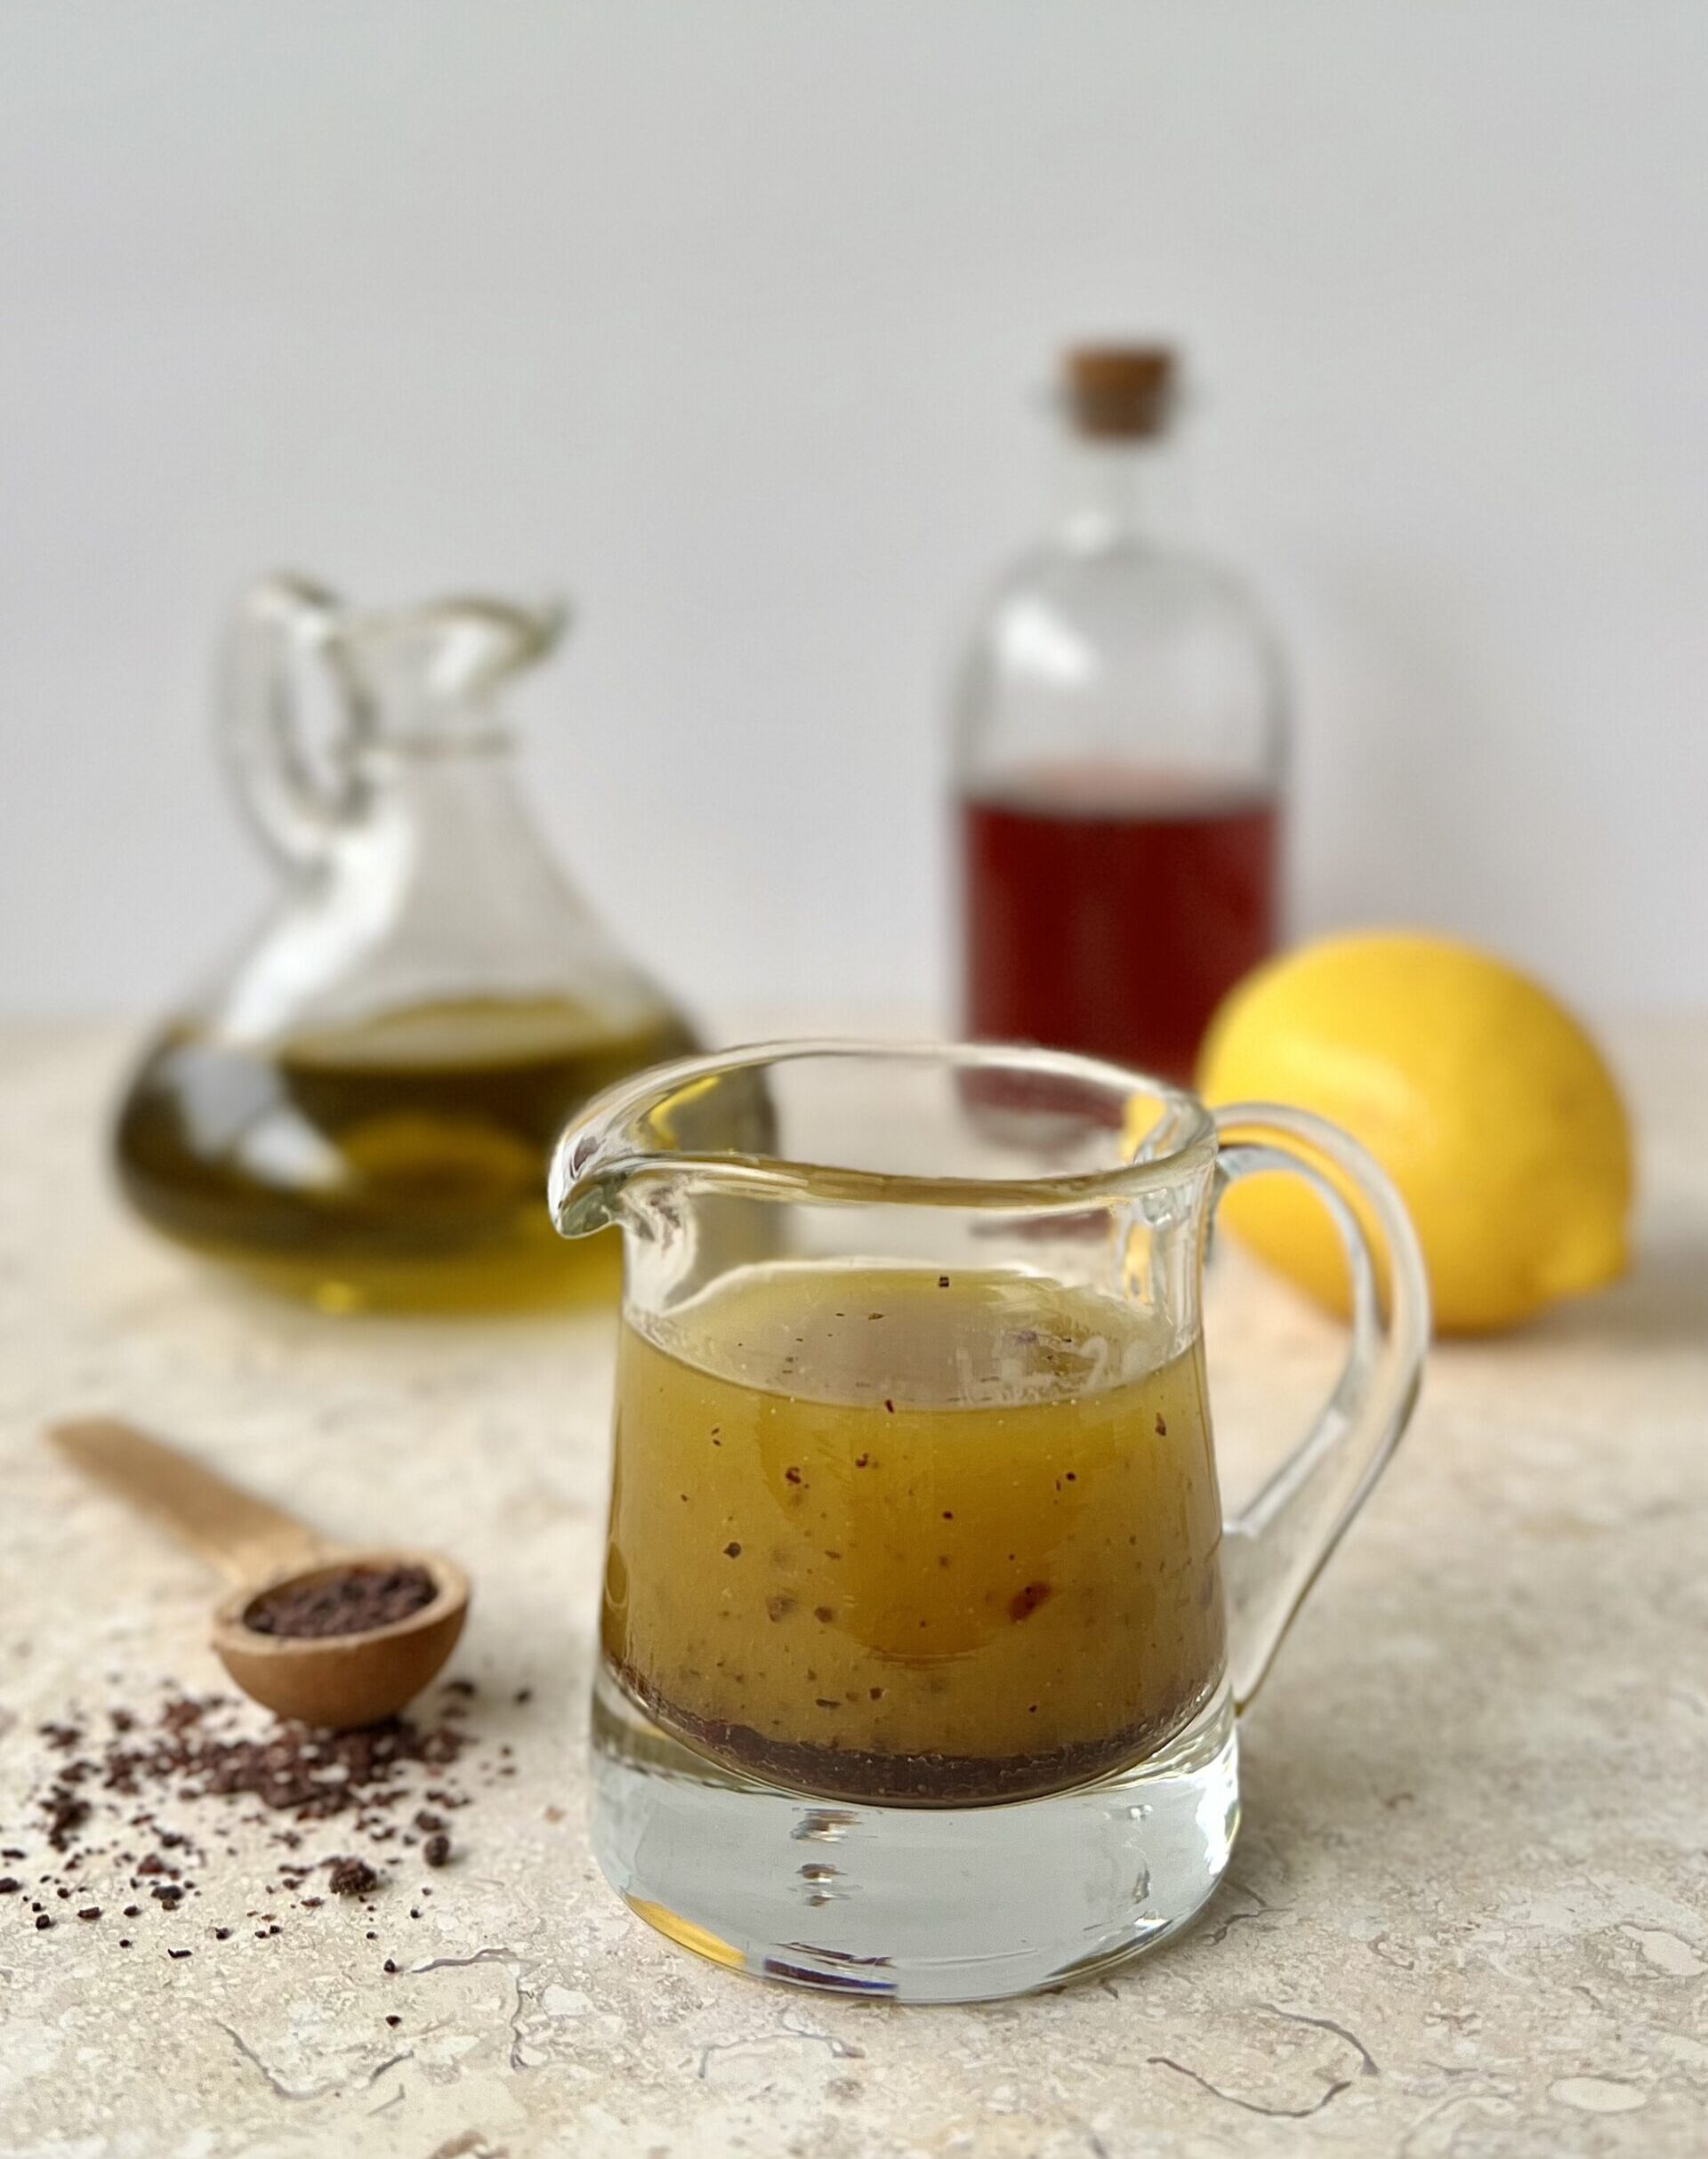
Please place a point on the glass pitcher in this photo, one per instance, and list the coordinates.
(922, 1633)
(360, 1109)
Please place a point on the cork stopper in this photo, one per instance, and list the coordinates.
(1119, 391)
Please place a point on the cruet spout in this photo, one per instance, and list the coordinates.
(412, 667)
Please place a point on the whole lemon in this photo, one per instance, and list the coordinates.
(1485, 1101)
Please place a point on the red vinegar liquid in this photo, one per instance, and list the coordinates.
(1109, 910)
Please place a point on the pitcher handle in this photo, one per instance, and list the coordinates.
(295, 809)
(1275, 1548)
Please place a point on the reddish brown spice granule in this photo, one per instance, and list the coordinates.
(351, 1878)
(65, 1814)
(1024, 1602)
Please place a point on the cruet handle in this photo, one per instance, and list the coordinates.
(1274, 1549)
(295, 808)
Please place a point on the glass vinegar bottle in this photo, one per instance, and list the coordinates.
(360, 1110)
(1119, 761)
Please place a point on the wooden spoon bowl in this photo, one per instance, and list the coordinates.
(341, 1680)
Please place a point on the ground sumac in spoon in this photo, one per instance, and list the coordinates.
(351, 1601)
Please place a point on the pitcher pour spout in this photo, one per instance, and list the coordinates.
(583, 1186)
(595, 1158)
(695, 1120)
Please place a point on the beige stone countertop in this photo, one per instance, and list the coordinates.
(1468, 1913)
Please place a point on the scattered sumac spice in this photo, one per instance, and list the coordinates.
(199, 1797)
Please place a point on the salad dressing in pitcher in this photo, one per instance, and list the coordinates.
(898, 1534)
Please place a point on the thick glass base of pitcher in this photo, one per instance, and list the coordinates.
(940, 1904)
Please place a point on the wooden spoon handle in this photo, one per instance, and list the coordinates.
(244, 1537)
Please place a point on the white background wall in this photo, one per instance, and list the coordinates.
(726, 314)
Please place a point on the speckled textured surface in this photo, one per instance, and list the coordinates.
(1469, 1911)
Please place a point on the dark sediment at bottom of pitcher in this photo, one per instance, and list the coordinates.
(923, 1779)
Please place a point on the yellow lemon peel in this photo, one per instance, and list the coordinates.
(1486, 1103)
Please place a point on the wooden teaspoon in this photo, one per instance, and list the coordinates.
(334, 1679)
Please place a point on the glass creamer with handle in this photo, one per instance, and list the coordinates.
(923, 1636)
(359, 1110)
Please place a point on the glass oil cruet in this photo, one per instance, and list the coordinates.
(361, 1110)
